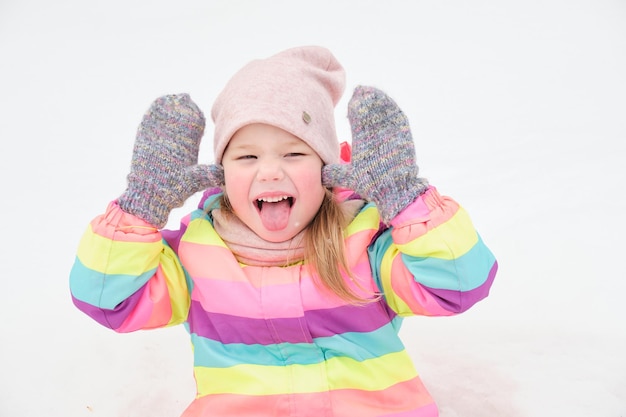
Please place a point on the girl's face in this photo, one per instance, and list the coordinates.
(273, 181)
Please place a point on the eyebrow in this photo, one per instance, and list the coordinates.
(242, 146)
(249, 146)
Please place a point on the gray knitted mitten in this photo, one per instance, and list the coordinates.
(163, 168)
(383, 168)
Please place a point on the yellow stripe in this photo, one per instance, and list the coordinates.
(367, 219)
(346, 373)
(176, 286)
(393, 300)
(104, 255)
(340, 372)
(449, 240)
(201, 231)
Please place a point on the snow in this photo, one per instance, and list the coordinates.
(518, 110)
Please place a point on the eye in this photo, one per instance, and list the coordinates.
(294, 154)
(244, 157)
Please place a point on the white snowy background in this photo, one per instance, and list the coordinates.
(518, 110)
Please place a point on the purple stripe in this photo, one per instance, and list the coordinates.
(112, 319)
(316, 323)
(172, 237)
(227, 328)
(206, 194)
(348, 318)
(457, 301)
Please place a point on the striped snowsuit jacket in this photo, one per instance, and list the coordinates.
(268, 341)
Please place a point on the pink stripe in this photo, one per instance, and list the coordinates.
(319, 298)
(420, 300)
(120, 226)
(406, 399)
(356, 242)
(154, 308)
(217, 260)
(225, 298)
(429, 211)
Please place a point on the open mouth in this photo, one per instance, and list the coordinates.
(275, 211)
(274, 200)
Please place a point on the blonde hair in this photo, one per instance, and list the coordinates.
(324, 248)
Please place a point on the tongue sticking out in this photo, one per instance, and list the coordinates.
(275, 216)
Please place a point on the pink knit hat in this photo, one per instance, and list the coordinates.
(295, 90)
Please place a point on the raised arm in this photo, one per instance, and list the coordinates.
(430, 260)
(125, 276)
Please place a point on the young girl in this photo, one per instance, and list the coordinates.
(293, 276)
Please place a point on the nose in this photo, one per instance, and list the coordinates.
(270, 170)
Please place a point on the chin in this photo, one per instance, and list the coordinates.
(277, 236)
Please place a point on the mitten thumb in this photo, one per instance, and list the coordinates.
(201, 177)
(334, 175)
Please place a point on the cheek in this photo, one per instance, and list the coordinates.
(236, 188)
(234, 176)
(310, 176)
(311, 182)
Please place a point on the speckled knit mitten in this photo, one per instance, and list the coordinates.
(163, 168)
(383, 168)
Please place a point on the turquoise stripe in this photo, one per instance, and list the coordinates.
(375, 253)
(358, 346)
(362, 346)
(198, 214)
(210, 202)
(461, 274)
(89, 286)
(226, 355)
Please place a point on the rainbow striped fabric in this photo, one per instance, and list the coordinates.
(268, 341)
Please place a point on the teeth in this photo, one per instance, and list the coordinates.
(273, 199)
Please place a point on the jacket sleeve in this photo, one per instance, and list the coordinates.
(432, 261)
(126, 277)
